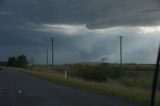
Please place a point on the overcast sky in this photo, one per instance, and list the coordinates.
(84, 30)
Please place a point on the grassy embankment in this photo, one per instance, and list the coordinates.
(134, 86)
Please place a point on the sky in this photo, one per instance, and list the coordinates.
(84, 30)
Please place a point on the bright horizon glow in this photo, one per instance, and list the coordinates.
(66, 28)
(72, 30)
(151, 29)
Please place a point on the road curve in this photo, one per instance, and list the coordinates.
(18, 89)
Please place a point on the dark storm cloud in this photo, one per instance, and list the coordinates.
(1, 1)
(93, 13)
(20, 18)
(22, 39)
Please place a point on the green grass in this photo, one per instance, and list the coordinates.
(112, 87)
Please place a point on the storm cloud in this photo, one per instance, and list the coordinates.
(92, 13)
(85, 30)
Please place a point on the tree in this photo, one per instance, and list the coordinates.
(22, 61)
(103, 60)
(12, 61)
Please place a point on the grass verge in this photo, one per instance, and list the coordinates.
(114, 89)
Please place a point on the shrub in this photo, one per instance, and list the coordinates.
(98, 72)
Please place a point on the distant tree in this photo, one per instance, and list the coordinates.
(103, 60)
(12, 61)
(22, 61)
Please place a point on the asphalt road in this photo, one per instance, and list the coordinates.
(18, 89)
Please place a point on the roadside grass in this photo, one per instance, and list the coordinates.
(115, 88)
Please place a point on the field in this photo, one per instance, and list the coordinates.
(131, 81)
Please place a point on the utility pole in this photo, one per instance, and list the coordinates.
(121, 50)
(154, 84)
(32, 61)
(47, 56)
(53, 51)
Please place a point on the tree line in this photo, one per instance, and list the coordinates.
(19, 61)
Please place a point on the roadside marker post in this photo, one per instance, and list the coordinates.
(65, 74)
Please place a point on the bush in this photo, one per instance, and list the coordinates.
(98, 72)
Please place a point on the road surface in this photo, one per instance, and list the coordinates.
(18, 89)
